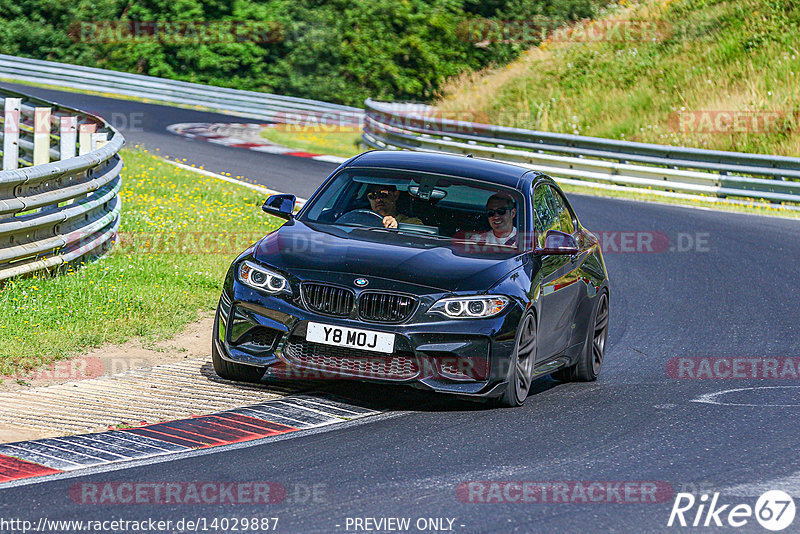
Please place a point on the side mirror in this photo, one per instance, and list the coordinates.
(559, 243)
(280, 206)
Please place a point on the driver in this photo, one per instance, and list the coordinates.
(383, 201)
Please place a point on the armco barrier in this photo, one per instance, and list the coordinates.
(55, 212)
(251, 104)
(589, 159)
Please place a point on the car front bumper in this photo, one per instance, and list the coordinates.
(467, 357)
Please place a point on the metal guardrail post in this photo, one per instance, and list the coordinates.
(11, 113)
(41, 136)
(69, 136)
(85, 138)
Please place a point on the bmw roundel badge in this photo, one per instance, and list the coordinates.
(361, 282)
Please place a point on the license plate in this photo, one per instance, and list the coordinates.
(354, 338)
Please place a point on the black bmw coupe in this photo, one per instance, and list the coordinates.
(448, 273)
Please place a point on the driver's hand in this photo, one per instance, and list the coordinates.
(389, 222)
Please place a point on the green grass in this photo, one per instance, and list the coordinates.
(315, 140)
(180, 231)
(709, 55)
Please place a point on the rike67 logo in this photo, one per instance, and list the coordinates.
(774, 511)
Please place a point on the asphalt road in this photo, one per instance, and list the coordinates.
(732, 293)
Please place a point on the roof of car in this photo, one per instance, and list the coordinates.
(476, 168)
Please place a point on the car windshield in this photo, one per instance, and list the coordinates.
(430, 206)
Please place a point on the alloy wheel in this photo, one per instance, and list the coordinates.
(600, 333)
(526, 357)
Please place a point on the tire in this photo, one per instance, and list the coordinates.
(521, 363)
(589, 363)
(233, 371)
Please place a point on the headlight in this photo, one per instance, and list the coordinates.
(470, 307)
(259, 277)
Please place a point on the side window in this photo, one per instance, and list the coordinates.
(565, 223)
(546, 215)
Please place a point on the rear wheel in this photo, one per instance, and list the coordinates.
(230, 370)
(590, 361)
(521, 364)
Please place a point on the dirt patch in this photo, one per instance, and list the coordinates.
(13, 433)
(193, 342)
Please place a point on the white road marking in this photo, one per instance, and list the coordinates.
(330, 159)
(254, 187)
(790, 484)
(713, 398)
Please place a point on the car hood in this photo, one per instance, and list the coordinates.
(369, 253)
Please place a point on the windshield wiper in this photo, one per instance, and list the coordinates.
(406, 232)
(381, 229)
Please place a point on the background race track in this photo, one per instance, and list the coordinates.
(716, 285)
(145, 124)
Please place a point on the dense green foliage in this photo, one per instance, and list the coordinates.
(334, 50)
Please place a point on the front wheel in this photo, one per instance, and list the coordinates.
(520, 372)
(590, 361)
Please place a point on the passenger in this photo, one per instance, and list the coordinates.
(500, 210)
(383, 201)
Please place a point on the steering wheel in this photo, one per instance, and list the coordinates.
(363, 217)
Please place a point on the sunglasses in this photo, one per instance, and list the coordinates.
(375, 195)
(499, 211)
